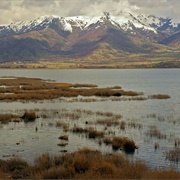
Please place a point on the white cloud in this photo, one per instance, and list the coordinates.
(17, 10)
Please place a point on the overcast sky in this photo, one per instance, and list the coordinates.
(17, 10)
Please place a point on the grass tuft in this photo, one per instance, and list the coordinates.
(29, 116)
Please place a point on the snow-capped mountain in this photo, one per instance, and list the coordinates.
(122, 20)
(81, 36)
(162, 24)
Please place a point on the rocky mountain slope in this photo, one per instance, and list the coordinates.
(107, 36)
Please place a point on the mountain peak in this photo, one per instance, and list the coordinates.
(81, 36)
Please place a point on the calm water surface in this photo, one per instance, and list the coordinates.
(161, 81)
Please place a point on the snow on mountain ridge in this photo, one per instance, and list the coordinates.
(123, 20)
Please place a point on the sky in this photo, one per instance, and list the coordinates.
(18, 10)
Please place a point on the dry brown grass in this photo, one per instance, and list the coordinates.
(64, 137)
(6, 118)
(79, 130)
(29, 116)
(62, 144)
(19, 88)
(84, 85)
(92, 133)
(160, 96)
(122, 125)
(83, 164)
(162, 174)
(107, 141)
(123, 143)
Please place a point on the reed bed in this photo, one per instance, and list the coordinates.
(82, 164)
(19, 88)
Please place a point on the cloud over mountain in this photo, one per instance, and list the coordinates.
(12, 11)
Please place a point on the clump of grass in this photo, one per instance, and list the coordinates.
(64, 137)
(95, 134)
(5, 118)
(79, 130)
(134, 125)
(107, 141)
(71, 115)
(63, 125)
(29, 116)
(62, 144)
(160, 96)
(154, 132)
(122, 125)
(91, 132)
(43, 162)
(123, 143)
(44, 116)
(173, 155)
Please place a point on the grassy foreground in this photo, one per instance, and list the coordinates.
(83, 164)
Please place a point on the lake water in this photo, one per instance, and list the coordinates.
(164, 114)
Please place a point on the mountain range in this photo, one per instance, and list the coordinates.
(92, 40)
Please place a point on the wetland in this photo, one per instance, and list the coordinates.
(132, 114)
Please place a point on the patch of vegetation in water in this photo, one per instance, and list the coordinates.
(32, 89)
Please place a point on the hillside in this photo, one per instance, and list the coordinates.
(107, 40)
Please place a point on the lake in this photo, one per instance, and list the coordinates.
(162, 115)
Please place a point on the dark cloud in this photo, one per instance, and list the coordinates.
(17, 10)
